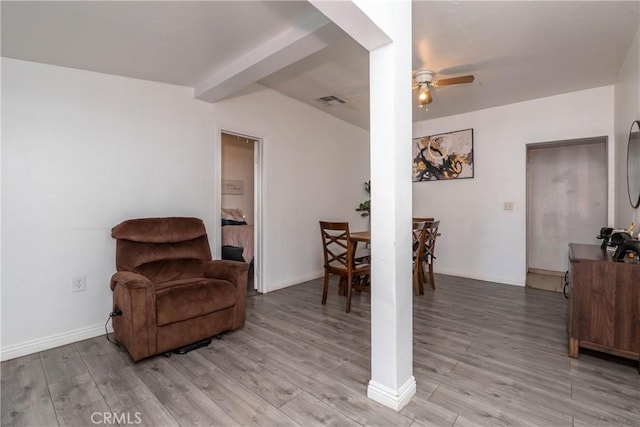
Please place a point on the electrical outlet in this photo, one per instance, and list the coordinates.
(508, 206)
(79, 284)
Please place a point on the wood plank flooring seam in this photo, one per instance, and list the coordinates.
(55, 413)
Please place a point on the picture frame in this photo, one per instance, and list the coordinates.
(443, 156)
(231, 186)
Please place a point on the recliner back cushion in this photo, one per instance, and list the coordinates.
(162, 262)
(159, 230)
(162, 249)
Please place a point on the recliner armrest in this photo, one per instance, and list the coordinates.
(130, 280)
(135, 328)
(225, 269)
(236, 273)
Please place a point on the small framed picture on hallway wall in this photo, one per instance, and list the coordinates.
(231, 186)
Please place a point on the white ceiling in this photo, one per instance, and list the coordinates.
(516, 50)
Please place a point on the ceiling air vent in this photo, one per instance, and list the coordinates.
(331, 100)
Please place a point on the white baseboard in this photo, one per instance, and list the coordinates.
(310, 276)
(52, 341)
(485, 278)
(374, 389)
(33, 346)
(394, 399)
(449, 272)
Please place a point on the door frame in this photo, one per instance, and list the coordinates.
(558, 144)
(258, 190)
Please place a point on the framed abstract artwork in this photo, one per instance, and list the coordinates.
(443, 156)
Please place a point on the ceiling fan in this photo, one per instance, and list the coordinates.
(424, 80)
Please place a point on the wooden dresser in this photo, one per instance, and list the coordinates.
(604, 302)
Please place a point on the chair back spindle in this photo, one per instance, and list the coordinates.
(429, 255)
(419, 233)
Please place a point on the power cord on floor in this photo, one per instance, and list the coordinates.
(116, 312)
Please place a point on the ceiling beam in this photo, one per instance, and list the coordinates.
(309, 36)
(354, 21)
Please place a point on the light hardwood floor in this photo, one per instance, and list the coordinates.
(484, 354)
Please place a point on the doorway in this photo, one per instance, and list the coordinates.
(566, 203)
(240, 203)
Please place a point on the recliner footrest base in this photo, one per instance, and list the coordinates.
(187, 348)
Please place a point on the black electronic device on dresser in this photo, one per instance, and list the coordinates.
(604, 303)
(622, 242)
(627, 246)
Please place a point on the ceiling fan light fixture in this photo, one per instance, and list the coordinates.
(423, 94)
(423, 80)
(423, 77)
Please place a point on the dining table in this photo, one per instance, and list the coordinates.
(360, 283)
(361, 236)
(358, 237)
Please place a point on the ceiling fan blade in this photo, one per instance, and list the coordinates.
(454, 81)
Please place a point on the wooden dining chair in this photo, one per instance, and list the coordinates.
(339, 258)
(419, 234)
(428, 257)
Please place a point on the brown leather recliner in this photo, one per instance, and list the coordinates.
(171, 294)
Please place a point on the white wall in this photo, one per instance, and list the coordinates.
(479, 239)
(627, 109)
(83, 151)
(314, 167)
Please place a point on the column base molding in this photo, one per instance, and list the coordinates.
(394, 399)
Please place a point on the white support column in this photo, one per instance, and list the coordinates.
(392, 383)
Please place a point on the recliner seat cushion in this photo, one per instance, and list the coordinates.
(188, 298)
